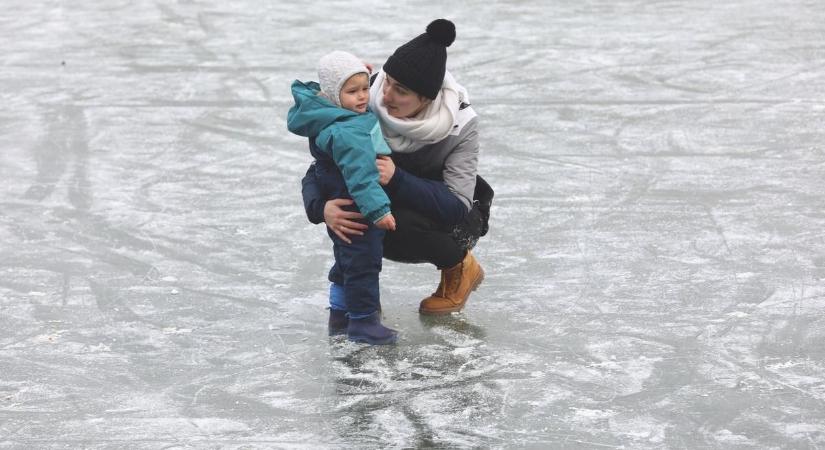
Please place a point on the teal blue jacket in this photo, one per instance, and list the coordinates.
(352, 140)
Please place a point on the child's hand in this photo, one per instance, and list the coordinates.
(386, 223)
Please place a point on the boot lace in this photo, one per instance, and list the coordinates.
(455, 278)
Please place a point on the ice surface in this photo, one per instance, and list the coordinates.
(655, 265)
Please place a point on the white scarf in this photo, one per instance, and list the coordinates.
(431, 125)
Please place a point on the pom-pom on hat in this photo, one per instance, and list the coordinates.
(334, 69)
(420, 64)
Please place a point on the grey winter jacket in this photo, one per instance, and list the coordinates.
(453, 160)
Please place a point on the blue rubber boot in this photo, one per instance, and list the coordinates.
(338, 319)
(338, 322)
(369, 330)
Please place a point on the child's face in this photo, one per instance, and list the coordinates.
(355, 94)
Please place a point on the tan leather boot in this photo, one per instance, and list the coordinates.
(456, 284)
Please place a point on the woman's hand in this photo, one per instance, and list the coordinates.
(386, 169)
(342, 222)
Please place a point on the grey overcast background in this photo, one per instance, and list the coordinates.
(655, 265)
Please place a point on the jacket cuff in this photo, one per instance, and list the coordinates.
(380, 214)
(315, 212)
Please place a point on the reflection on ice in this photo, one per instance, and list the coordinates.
(413, 394)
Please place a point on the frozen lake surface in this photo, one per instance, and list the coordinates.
(655, 265)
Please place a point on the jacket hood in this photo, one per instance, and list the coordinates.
(311, 112)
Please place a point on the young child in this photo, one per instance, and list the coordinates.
(344, 138)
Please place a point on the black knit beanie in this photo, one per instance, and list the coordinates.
(420, 63)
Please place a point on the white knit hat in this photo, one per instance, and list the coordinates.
(334, 69)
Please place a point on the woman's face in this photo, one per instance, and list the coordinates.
(400, 101)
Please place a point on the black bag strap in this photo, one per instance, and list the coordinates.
(483, 199)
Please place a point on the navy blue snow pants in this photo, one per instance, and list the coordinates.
(357, 265)
(356, 268)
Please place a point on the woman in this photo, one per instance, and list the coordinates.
(441, 205)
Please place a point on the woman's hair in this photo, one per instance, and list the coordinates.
(422, 98)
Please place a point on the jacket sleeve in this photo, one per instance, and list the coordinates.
(313, 196)
(461, 165)
(446, 202)
(354, 154)
(429, 197)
